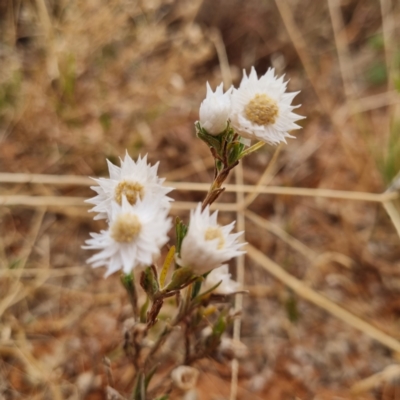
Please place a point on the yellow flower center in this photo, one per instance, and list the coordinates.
(215, 233)
(131, 190)
(126, 228)
(261, 110)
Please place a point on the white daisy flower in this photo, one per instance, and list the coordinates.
(220, 274)
(135, 180)
(134, 237)
(215, 110)
(262, 110)
(207, 245)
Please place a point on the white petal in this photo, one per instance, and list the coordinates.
(275, 89)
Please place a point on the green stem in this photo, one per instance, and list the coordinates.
(127, 281)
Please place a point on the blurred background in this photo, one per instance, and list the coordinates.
(81, 81)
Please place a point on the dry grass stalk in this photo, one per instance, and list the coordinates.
(264, 179)
(393, 214)
(387, 31)
(240, 273)
(315, 258)
(321, 301)
(279, 232)
(302, 50)
(240, 220)
(201, 164)
(56, 180)
(42, 201)
(14, 293)
(368, 103)
(345, 63)
(51, 60)
(202, 187)
(388, 375)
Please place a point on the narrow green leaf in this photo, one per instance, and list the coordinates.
(143, 310)
(212, 141)
(196, 288)
(179, 278)
(149, 282)
(180, 230)
(167, 264)
(234, 151)
(220, 326)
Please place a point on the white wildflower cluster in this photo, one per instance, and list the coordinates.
(135, 204)
(259, 109)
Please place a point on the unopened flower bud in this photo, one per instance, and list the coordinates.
(184, 377)
(215, 110)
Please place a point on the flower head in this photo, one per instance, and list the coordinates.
(207, 245)
(134, 236)
(262, 110)
(215, 109)
(220, 274)
(134, 180)
(185, 377)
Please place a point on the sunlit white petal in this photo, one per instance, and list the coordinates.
(207, 245)
(137, 243)
(261, 108)
(135, 180)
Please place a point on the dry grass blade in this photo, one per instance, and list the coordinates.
(51, 60)
(393, 214)
(56, 180)
(366, 104)
(240, 221)
(33, 272)
(264, 179)
(389, 374)
(240, 264)
(188, 186)
(42, 201)
(195, 166)
(345, 64)
(277, 231)
(16, 291)
(301, 48)
(321, 301)
(387, 22)
(314, 257)
(215, 36)
(60, 203)
(188, 205)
